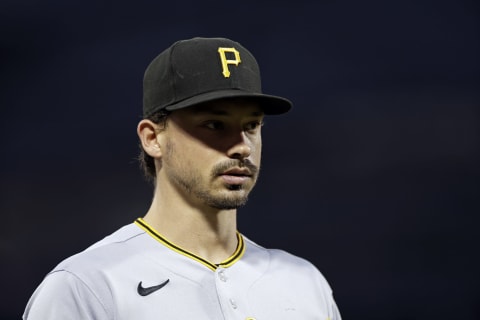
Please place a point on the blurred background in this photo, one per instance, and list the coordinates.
(374, 176)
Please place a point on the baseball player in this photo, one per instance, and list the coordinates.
(185, 259)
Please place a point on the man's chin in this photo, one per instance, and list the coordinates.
(230, 201)
(227, 205)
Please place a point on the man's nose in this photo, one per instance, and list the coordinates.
(240, 147)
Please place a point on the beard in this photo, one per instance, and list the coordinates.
(190, 180)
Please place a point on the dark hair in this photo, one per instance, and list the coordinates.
(147, 163)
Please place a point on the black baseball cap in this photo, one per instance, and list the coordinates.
(199, 70)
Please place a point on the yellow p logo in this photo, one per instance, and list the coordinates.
(226, 62)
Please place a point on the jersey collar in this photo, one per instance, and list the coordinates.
(239, 251)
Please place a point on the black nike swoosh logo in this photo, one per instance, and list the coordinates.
(146, 291)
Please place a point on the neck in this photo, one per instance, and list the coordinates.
(204, 231)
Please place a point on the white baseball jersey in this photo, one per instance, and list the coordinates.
(135, 273)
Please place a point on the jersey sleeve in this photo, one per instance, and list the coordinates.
(64, 296)
(335, 312)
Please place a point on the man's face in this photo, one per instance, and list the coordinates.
(212, 152)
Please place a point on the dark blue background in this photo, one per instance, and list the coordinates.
(374, 176)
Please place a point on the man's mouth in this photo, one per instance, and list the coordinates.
(236, 176)
(238, 172)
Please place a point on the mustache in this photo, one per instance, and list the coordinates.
(235, 163)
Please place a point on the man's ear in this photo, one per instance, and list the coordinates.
(148, 132)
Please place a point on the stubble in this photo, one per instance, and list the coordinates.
(184, 175)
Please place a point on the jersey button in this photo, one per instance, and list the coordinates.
(222, 276)
(233, 303)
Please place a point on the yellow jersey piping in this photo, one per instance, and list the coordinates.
(239, 251)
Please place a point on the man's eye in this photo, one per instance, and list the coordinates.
(214, 125)
(253, 125)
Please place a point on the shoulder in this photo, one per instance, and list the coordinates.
(279, 256)
(287, 264)
(108, 259)
(83, 283)
(296, 281)
(103, 252)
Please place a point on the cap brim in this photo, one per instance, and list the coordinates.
(271, 105)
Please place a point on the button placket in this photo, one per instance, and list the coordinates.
(224, 290)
